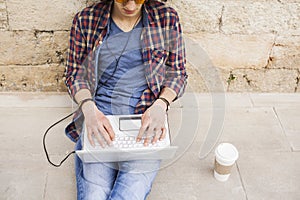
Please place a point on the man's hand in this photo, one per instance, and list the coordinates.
(153, 123)
(97, 125)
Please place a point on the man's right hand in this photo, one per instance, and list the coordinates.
(97, 124)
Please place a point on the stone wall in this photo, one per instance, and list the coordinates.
(254, 45)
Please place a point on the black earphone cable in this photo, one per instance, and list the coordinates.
(44, 142)
(121, 54)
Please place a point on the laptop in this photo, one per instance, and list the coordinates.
(125, 147)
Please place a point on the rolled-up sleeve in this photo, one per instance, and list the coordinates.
(176, 76)
(76, 72)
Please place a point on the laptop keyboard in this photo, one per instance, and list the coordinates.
(125, 147)
(129, 142)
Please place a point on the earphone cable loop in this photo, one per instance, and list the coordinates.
(44, 142)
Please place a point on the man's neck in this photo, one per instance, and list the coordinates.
(126, 23)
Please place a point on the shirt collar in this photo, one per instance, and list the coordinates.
(148, 16)
(105, 14)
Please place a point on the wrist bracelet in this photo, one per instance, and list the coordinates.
(84, 101)
(166, 102)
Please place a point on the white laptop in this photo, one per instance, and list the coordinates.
(125, 147)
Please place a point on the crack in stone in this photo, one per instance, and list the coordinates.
(247, 79)
(221, 19)
(297, 81)
(39, 32)
(2, 80)
(45, 186)
(270, 58)
(242, 181)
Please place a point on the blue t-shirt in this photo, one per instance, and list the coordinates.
(121, 71)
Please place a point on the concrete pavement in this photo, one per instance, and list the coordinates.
(265, 129)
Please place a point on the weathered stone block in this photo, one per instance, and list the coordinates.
(32, 78)
(206, 79)
(243, 17)
(45, 15)
(197, 17)
(2, 5)
(263, 80)
(3, 16)
(32, 48)
(235, 51)
(286, 53)
(256, 17)
(294, 20)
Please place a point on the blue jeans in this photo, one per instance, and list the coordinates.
(130, 180)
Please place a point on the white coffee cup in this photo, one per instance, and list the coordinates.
(225, 156)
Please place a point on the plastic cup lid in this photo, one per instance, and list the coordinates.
(227, 151)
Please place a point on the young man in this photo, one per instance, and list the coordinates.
(125, 57)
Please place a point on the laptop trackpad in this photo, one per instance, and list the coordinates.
(130, 123)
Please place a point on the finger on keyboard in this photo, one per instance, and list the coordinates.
(99, 139)
(163, 134)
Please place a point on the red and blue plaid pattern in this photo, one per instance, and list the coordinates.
(162, 50)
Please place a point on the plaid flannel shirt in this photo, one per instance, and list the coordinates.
(163, 54)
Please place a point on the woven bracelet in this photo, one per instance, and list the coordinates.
(84, 101)
(166, 102)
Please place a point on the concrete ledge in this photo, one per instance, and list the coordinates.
(34, 99)
(189, 100)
